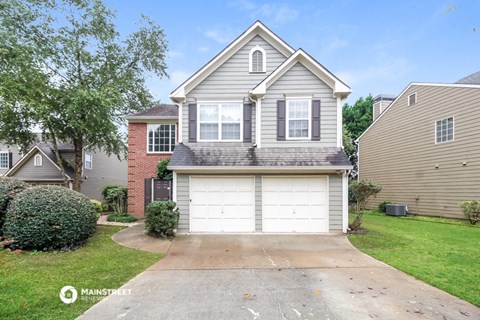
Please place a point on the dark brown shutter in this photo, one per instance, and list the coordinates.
(281, 118)
(247, 122)
(316, 120)
(10, 160)
(192, 122)
(147, 192)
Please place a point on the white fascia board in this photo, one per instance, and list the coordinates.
(257, 28)
(282, 169)
(426, 84)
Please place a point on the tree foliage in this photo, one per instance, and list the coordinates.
(362, 190)
(163, 172)
(358, 117)
(65, 69)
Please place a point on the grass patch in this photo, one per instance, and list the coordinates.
(442, 252)
(30, 282)
(126, 218)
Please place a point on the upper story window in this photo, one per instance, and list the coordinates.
(298, 119)
(412, 99)
(88, 161)
(220, 121)
(444, 130)
(161, 137)
(258, 60)
(37, 160)
(4, 160)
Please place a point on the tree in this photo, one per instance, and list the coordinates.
(359, 117)
(362, 190)
(348, 144)
(65, 70)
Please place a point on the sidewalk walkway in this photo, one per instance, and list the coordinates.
(134, 237)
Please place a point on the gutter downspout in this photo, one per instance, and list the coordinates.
(258, 120)
(339, 123)
(180, 119)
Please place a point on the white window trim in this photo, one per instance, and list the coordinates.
(91, 161)
(38, 160)
(408, 99)
(219, 103)
(8, 160)
(287, 119)
(174, 141)
(264, 58)
(453, 135)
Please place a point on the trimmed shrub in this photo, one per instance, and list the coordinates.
(161, 219)
(382, 206)
(116, 197)
(9, 187)
(471, 210)
(49, 218)
(98, 205)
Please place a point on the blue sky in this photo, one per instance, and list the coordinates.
(373, 46)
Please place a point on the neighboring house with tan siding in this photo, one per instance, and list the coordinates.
(260, 142)
(424, 149)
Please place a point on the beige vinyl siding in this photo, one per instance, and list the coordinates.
(232, 81)
(106, 170)
(28, 172)
(400, 153)
(299, 81)
(335, 202)
(183, 202)
(16, 155)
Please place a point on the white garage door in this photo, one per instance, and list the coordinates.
(222, 204)
(295, 204)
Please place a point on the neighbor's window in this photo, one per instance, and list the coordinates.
(257, 60)
(298, 119)
(220, 121)
(4, 160)
(88, 160)
(412, 99)
(444, 130)
(37, 161)
(161, 137)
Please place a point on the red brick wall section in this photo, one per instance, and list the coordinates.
(140, 166)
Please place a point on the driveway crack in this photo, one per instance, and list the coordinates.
(269, 257)
(271, 292)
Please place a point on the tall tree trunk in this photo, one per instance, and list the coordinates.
(59, 159)
(77, 178)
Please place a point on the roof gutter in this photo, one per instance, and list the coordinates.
(283, 169)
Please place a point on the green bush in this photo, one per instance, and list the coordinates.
(471, 210)
(9, 187)
(382, 206)
(126, 218)
(163, 172)
(49, 218)
(98, 205)
(161, 219)
(116, 197)
(362, 190)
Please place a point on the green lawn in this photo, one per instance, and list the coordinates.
(30, 282)
(444, 253)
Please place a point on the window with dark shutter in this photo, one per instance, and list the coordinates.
(5, 160)
(192, 122)
(281, 120)
(316, 120)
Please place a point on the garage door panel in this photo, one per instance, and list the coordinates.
(300, 204)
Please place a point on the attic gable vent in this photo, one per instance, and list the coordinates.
(257, 60)
(412, 99)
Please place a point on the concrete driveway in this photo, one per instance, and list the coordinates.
(275, 277)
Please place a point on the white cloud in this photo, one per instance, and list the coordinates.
(221, 36)
(278, 13)
(203, 49)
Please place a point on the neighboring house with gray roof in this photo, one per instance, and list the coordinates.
(260, 142)
(38, 166)
(424, 149)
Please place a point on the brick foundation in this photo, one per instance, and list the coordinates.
(140, 166)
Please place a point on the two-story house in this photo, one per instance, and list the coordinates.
(260, 141)
(424, 148)
(38, 166)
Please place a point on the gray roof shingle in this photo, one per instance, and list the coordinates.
(158, 111)
(245, 155)
(474, 78)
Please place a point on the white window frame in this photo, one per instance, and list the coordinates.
(264, 59)
(453, 133)
(89, 154)
(408, 99)
(219, 120)
(287, 119)
(38, 160)
(170, 146)
(8, 159)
